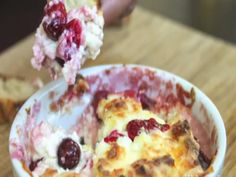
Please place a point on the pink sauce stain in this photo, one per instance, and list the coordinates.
(17, 151)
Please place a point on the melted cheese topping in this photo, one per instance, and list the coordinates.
(151, 154)
(116, 111)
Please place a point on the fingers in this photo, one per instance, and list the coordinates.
(115, 10)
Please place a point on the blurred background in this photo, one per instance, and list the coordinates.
(215, 17)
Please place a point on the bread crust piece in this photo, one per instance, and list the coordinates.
(9, 104)
(8, 109)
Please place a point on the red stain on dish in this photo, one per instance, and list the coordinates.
(147, 103)
(184, 96)
(87, 126)
(73, 91)
(64, 99)
(113, 136)
(208, 130)
(98, 96)
(17, 150)
(154, 93)
(203, 160)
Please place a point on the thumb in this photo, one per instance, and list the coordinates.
(115, 10)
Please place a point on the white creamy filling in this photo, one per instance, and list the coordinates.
(46, 140)
(43, 48)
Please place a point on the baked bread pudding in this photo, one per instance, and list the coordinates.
(134, 126)
(137, 142)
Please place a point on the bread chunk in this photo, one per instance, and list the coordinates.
(13, 93)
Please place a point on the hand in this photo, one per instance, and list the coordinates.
(115, 10)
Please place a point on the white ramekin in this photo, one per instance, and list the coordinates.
(201, 99)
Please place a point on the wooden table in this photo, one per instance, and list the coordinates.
(152, 40)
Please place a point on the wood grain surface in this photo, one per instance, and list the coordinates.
(152, 40)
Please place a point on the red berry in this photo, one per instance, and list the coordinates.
(165, 127)
(133, 127)
(130, 93)
(75, 29)
(113, 136)
(68, 154)
(150, 124)
(55, 21)
(70, 39)
(54, 6)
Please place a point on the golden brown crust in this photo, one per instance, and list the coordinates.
(49, 173)
(172, 153)
(117, 106)
(69, 174)
(25, 167)
(8, 109)
(54, 173)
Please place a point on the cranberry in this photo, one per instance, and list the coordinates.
(165, 127)
(150, 124)
(113, 136)
(34, 164)
(54, 6)
(70, 39)
(56, 19)
(130, 93)
(147, 103)
(133, 127)
(68, 154)
(99, 95)
(75, 29)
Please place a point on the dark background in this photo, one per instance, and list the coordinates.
(215, 17)
(18, 19)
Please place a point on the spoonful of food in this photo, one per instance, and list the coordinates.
(71, 32)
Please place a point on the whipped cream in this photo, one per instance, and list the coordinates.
(45, 142)
(46, 49)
